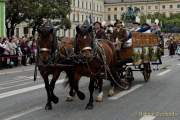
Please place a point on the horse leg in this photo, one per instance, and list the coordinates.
(48, 90)
(91, 90)
(99, 98)
(75, 84)
(54, 98)
(71, 92)
(111, 91)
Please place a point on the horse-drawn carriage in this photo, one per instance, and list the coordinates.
(92, 58)
(138, 57)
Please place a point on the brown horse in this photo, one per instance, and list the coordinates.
(98, 61)
(50, 53)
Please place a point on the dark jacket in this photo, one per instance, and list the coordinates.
(121, 35)
(101, 34)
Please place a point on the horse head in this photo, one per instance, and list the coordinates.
(84, 39)
(45, 42)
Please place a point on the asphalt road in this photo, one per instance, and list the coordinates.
(23, 99)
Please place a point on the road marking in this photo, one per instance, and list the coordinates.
(24, 90)
(164, 72)
(23, 113)
(7, 83)
(165, 56)
(123, 93)
(178, 64)
(17, 71)
(3, 88)
(23, 79)
(148, 117)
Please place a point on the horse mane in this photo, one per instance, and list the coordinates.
(46, 29)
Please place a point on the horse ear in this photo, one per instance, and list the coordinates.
(38, 30)
(78, 29)
(51, 30)
(90, 29)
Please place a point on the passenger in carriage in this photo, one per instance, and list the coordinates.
(119, 36)
(145, 28)
(99, 31)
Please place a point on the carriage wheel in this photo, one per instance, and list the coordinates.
(129, 77)
(147, 72)
(125, 78)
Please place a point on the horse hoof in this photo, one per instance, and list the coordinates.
(111, 93)
(48, 107)
(81, 95)
(99, 99)
(55, 100)
(69, 99)
(89, 106)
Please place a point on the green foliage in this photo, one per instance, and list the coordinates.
(49, 9)
(15, 14)
(34, 11)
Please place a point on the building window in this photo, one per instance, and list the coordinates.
(122, 8)
(149, 7)
(78, 17)
(163, 6)
(170, 14)
(90, 6)
(115, 17)
(115, 9)
(78, 3)
(73, 17)
(178, 6)
(156, 7)
(109, 17)
(25, 30)
(17, 32)
(74, 3)
(86, 5)
(82, 4)
(109, 9)
(82, 18)
(170, 6)
(142, 7)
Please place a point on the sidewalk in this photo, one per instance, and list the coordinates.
(16, 69)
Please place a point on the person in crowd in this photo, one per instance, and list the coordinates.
(99, 31)
(25, 50)
(172, 47)
(33, 49)
(119, 35)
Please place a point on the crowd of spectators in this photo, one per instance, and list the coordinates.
(17, 51)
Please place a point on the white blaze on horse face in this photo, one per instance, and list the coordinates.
(85, 37)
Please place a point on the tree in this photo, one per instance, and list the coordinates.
(15, 14)
(35, 11)
(48, 9)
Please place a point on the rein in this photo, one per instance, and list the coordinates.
(106, 67)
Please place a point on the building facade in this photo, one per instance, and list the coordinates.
(2, 18)
(82, 10)
(115, 8)
(107, 10)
